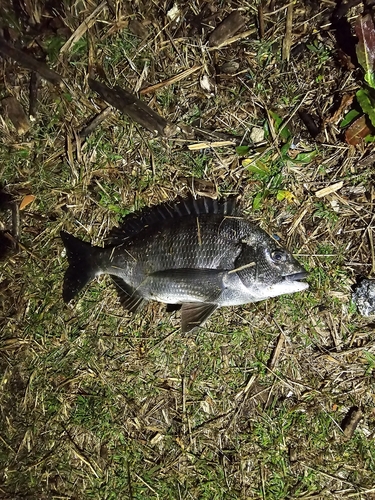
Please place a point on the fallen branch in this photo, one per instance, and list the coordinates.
(29, 62)
(137, 110)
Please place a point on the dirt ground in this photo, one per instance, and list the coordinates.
(274, 400)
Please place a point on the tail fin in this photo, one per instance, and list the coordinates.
(82, 265)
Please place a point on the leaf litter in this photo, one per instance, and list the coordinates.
(98, 404)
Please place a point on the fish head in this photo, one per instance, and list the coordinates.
(267, 269)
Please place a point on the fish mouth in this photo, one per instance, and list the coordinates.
(296, 276)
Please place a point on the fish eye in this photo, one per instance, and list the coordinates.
(278, 256)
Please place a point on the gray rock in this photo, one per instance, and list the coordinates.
(364, 297)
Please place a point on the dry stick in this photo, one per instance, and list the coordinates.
(214, 136)
(329, 189)
(82, 28)
(288, 33)
(227, 28)
(170, 81)
(276, 352)
(29, 62)
(369, 232)
(233, 39)
(261, 20)
(95, 122)
(205, 145)
(15, 242)
(272, 12)
(137, 110)
(33, 95)
(183, 388)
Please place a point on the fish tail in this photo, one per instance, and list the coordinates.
(83, 265)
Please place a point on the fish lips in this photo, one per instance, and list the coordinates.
(296, 279)
(296, 276)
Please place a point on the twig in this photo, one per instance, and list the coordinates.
(170, 81)
(82, 28)
(137, 110)
(205, 145)
(29, 62)
(276, 352)
(288, 33)
(261, 20)
(233, 39)
(33, 99)
(226, 29)
(95, 122)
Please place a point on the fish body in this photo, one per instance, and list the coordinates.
(197, 253)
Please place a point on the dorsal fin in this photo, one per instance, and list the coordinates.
(136, 222)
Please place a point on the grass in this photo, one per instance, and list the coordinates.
(97, 404)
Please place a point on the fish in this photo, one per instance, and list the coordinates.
(193, 254)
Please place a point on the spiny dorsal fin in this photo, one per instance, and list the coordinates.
(136, 222)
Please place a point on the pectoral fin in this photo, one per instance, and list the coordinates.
(205, 285)
(194, 314)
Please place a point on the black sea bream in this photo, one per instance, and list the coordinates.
(197, 253)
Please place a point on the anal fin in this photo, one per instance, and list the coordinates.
(129, 298)
(194, 314)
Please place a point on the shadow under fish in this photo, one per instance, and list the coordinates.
(197, 254)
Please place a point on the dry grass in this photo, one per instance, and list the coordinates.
(96, 404)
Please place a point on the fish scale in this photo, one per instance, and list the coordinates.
(197, 253)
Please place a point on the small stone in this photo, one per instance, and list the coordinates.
(364, 297)
(257, 135)
(229, 67)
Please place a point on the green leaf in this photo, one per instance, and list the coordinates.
(276, 181)
(284, 149)
(242, 150)
(283, 132)
(304, 157)
(311, 47)
(266, 129)
(367, 103)
(257, 201)
(259, 169)
(366, 47)
(281, 194)
(349, 118)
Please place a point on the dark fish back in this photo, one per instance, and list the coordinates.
(167, 214)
